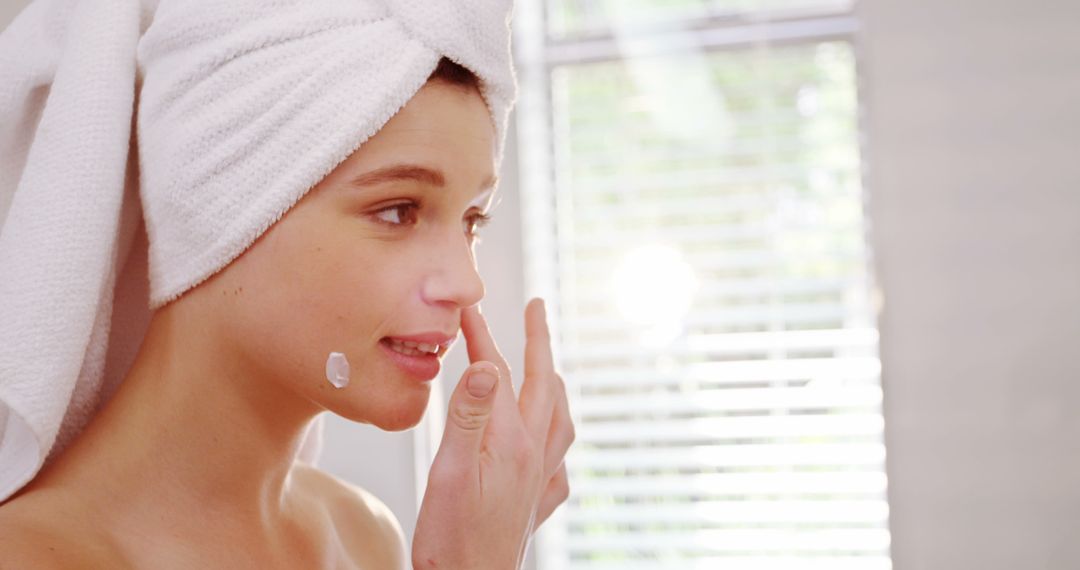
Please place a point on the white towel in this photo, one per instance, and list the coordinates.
(242, 106)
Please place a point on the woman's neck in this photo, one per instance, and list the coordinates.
(192, 428)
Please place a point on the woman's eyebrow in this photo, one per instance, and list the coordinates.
(414, 172)
(399, 172)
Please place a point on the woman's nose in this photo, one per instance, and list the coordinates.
(453, 278)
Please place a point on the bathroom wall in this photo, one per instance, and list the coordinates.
(973, 154)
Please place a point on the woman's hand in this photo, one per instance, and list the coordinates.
(499, 471)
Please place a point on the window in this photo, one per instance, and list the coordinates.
(694, 213)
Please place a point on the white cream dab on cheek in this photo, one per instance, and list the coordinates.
(337, 369)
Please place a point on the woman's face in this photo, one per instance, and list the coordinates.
(379, 252)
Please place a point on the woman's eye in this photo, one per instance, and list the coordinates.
(474, 222)
(398, 214)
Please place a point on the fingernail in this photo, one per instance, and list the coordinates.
(480, 383)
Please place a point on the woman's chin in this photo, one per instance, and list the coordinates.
(398, 415)
(403, 419)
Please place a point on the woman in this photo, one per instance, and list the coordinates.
(192, 462)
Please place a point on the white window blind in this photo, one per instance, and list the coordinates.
(694, 213)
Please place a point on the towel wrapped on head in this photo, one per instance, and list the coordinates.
(145, 145)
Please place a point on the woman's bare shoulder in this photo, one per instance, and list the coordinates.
(365, 525)
(31, 537)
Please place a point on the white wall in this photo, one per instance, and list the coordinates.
(973, 117)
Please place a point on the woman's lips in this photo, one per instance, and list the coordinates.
(417, 355)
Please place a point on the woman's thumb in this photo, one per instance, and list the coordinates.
(480, 381)
(470, 408)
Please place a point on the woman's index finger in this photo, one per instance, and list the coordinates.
(481, 346)
(478, 340)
